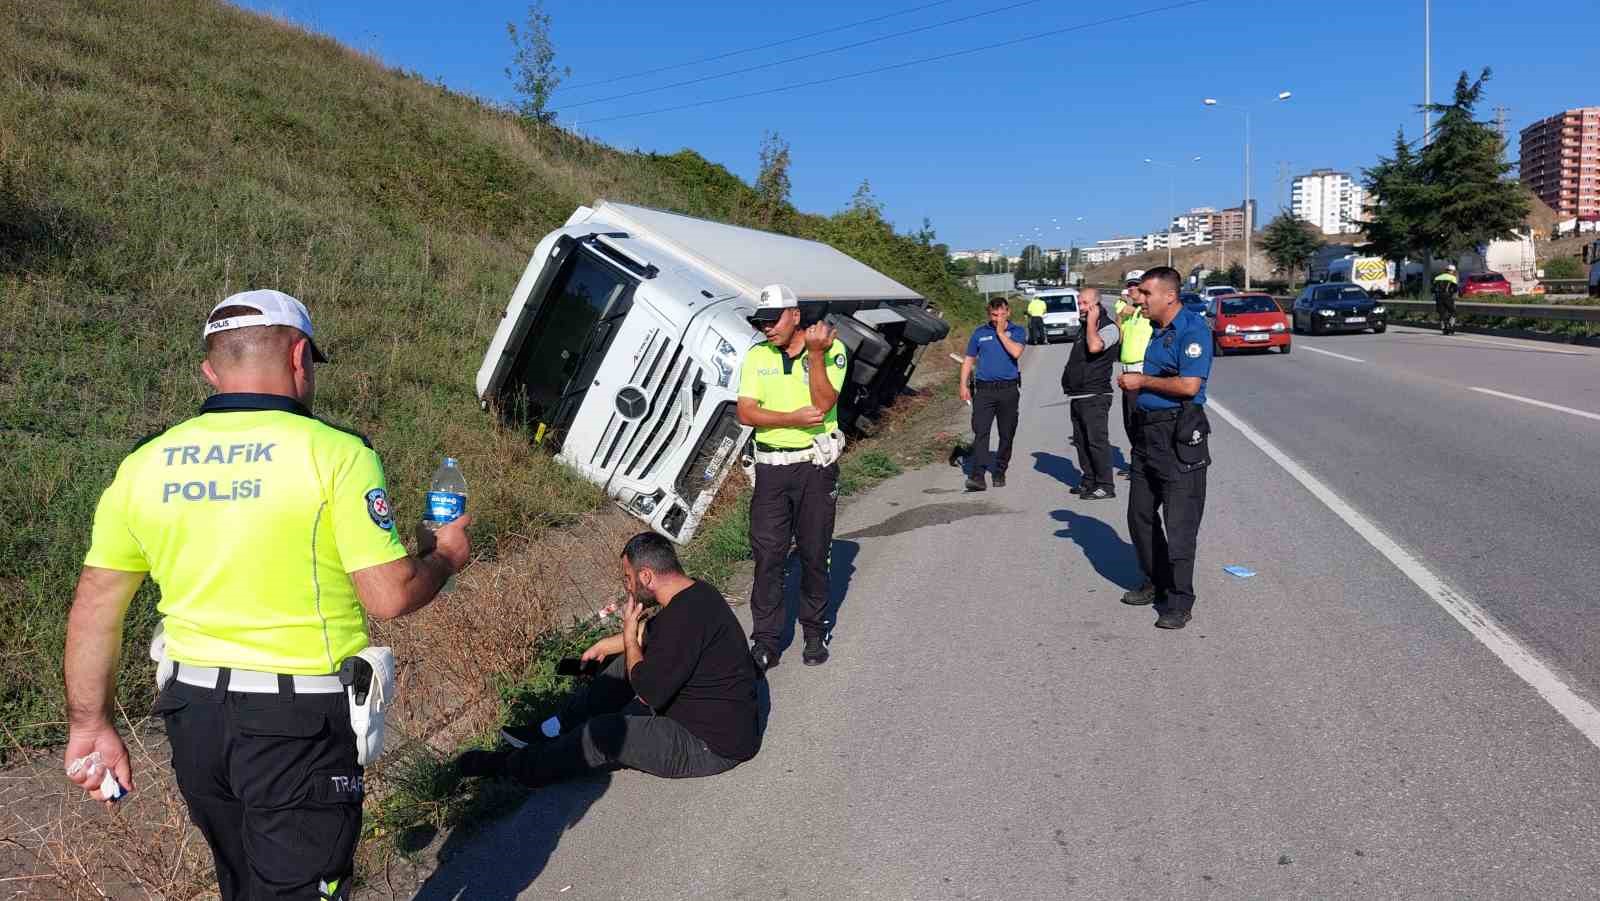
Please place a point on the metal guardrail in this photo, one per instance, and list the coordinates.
(1565, 285)
(1566, 312)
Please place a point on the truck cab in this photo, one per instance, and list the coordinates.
(621, 345)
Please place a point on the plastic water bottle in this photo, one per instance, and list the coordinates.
(447, 495)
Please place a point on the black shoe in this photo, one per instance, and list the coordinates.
(1142, 596)
(763, 657)
(975, 483)
(816, 652)
(999, 480)
(1172, 619)
(1100, 493)
(479, 764)
(524, 736)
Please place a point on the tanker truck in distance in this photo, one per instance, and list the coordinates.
(621, 345)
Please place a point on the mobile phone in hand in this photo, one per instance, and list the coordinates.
(574, 666)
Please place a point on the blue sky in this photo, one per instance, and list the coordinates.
(995, 144)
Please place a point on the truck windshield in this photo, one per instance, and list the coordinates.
(567, 332)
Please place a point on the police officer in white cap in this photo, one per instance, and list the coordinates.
(272, 539)
(789, 391)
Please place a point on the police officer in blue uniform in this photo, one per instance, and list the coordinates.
(991, 381)
(1171, 449)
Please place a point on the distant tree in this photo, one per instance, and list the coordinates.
(1564, 267)
(1466, 197)
(1033, 262)
(864, 201)
(1291, 242)
(773, 210)
(533, 71)
(1393, 226)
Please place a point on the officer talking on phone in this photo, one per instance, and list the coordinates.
(1171, 449)
(271, 536)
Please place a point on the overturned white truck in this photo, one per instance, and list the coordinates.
(621, 345)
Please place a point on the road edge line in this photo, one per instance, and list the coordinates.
(1524, 663)
(1318, 350)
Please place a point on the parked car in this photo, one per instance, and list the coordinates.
(1249, 321)
(1219, 290)
(1337, 307)
(1060, 314)
(1480, 283)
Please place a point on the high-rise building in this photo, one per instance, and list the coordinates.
(1561, 161)
(1332, 201)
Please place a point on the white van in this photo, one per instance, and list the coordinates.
(1060, 314)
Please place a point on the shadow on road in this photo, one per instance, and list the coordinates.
(1111, 557)
(511, 853)
(1057, 467)
(841, 569)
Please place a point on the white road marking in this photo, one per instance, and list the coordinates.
(1550, 686)
(1525, 345)
(958, 358)
(1539, 403)
(1330, 353)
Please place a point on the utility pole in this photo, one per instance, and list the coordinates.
(1283, 179)
(1427, 68)
(1502, 125)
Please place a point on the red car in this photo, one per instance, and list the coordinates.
(1248, 321)
(1485, 283)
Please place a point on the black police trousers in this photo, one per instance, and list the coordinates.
(1444, 303)
(272, 782)
(1091, 435)
(605, 726)
(1035, 329)
(793, 504)
(993, 403)
(1164, 510)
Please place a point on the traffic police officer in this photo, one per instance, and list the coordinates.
(1036, 311)
(1445, 288)
(272, 539)
(1136, 328)
(789, 392)
(1170, 449)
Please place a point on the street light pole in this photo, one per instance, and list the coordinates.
(1249, 225)
(1427, 68)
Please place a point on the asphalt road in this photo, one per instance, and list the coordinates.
(995, 725)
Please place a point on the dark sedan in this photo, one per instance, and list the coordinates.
(1337, 307)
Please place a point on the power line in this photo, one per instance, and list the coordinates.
(804, 56)
(768, 46)
(893, 66)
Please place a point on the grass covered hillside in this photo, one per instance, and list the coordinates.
(157, 156)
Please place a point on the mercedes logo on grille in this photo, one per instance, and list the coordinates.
(631, 403)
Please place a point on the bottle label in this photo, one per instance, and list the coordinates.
(445, 506)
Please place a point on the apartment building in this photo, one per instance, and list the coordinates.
(1561, 161)
(1332, 201)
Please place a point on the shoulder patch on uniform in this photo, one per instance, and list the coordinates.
(838, 360)
(1192, 351)
(378, 508)
(352, 432)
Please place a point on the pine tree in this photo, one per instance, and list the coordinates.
(1466, 199)
(1290, 242)
(1394, 186)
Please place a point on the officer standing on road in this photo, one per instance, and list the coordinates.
(1445, 288)
(789, 392)
(1170, 451)
(1086, 380)
(995, 393)
(1136, 328)
(272, 539)
(1036, 311)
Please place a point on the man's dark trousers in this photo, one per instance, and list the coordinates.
(1091, 435)
(994, 403)
(1035, 329)
(793, 504)
(1164, 511)
(271, 781)
(605, 726)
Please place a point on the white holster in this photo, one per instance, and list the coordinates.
(830, 447)
(158, 652)
(366, 718)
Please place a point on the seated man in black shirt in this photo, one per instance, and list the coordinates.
(680, 703)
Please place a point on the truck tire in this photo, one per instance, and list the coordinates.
(922, 327)
(864, 344)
